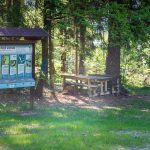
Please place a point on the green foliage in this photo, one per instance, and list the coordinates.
(128, 28)
(33, 17)
(97, 66)
(134, 65)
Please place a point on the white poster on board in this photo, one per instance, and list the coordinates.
(28, 72)
(21, 65)
(13, 66)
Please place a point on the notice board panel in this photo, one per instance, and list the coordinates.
(16, 65)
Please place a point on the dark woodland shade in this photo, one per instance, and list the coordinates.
(36, 33)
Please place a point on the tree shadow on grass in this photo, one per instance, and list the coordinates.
(77, 122)
(69, 126)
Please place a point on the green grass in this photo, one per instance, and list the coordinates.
(139, 90)
(68, 127)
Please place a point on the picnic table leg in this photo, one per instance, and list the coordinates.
(95, 92)
(106, 89)
(76, 88)
(89, 88)
(118, 87)
(32, 96)
(102, 90)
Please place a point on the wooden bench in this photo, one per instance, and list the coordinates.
(91, 88)
(116, 87)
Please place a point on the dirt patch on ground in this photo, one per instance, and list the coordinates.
(108, 101)
(76, 100)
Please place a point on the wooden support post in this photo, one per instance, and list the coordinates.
(32, 90)
(102, 88)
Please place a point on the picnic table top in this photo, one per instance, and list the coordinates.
(98, 77)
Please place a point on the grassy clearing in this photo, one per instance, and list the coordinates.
(68, 127)
(139, 90)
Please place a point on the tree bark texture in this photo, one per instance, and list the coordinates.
(113, 55)
(113, 62)
(64, 53)
(51, 60)
(82, 49)
(44, 69)
(48, 7)
(63, 62)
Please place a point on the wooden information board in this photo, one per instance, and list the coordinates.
(16, 65)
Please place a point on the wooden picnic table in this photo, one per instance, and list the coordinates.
(92, 82)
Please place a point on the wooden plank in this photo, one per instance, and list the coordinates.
(17, 41)
(80, 84)
(68, 76)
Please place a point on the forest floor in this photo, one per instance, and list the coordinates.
(75, 122)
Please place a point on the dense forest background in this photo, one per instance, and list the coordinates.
(110, 37)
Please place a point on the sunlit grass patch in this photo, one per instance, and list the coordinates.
(66, 127)
(139, 90)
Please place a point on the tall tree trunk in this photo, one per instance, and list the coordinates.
(113, 62)
(14, 15)
(114, 52)
(8, 3)
(113, 55)
(48, 20)
(76, 52)
(44, 69)
(113, 66)
(63, 62)
(8, 10)
(82, 49)
(3, 11)
(47, 51)
(63, 45)
(51, 58)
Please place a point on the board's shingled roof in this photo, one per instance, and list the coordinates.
(23, 32)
